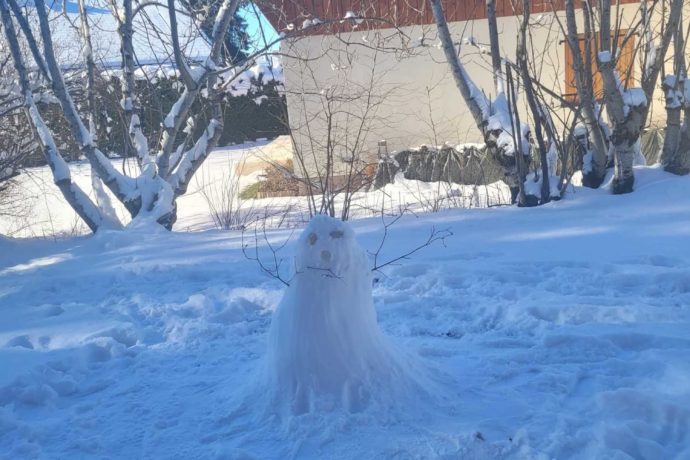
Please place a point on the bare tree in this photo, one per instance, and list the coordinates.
(628, 109)
(164, 171)
(334, 167)
(596, 159)
(12, 153)
(507, 139)
(675, 155)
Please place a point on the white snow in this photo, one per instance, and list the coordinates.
(634, 97)
(560, 332)
(500, 120)
(674, 93)
(174, 112)
(243, 80)
(351, 15)
(51, 217)
(61, 168)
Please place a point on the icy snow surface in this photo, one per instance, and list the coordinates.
(562, 331)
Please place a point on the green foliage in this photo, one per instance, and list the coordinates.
(251, 192)
(237, 40)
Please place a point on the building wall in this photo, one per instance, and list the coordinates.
(414, 99)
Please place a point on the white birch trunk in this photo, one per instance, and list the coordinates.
(73, 194)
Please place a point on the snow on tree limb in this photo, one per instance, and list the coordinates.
(192, 158)
(475, 99)
(74, 195)
(122, 186)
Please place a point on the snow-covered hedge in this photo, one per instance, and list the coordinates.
(253, 107)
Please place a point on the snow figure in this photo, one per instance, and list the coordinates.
(325, 346)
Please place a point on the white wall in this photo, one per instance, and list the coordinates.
(417, 101)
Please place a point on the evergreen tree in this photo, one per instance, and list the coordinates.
(237, 40)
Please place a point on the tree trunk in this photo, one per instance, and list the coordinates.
(627, 126)
(674, 101)
(675, 156)
(479, 105)
(594, 177)
(625, 139)
(535, 108)
(629, 115)
(679, 162)
(496, 63)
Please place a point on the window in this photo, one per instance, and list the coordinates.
(625, 66)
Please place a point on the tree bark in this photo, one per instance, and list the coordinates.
(627, 122)
(675, 155)
(30, 39)
(135, 136)
(674, 101)
(474, 98)
(496, 63)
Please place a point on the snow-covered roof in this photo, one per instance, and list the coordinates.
(151, 39)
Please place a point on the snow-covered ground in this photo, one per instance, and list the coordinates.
(554, 332)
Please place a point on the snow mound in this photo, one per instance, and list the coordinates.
(325, 347)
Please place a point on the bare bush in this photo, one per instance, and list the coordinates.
(223, 195)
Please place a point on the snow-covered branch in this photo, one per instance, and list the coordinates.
(72, 193)
(122, 186)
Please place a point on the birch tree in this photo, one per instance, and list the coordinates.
(164, 170)
(675, 155)
(506, 138)
(628, 109)
(596, 159)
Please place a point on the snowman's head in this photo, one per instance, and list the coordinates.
(327, 246)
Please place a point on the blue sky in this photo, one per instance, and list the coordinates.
(257, 25)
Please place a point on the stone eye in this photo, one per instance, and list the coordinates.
(312, 238)
(337, 234)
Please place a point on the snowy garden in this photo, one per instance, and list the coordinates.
(172, 287)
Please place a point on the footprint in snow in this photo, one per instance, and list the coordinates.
(21, 341)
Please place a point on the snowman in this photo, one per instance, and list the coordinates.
(325, 348)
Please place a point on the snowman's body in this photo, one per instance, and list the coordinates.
(324, 342)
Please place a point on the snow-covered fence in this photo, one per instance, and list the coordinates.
(463, 164)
